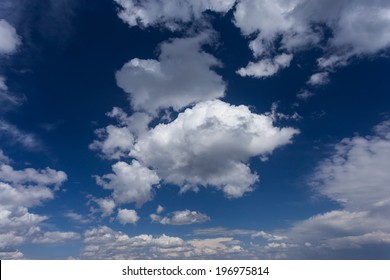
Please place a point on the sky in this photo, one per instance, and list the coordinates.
(207, 129)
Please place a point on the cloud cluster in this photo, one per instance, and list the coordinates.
(184, 217)
(105, 243)
(21, 190)
(181, 77)
(356, 176)
(169, 14)
(357, 28)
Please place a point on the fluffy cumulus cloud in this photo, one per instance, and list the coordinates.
(21, 190)
(318, 79)
(184, 217)
(126, 216)
(105, 243)
(170, 14)
(9, 39)
(55, 237)
(210, 145)
(130, 183)
(356, 176)
(169, 82)
(358, 27)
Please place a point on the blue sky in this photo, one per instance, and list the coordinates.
(194, 129)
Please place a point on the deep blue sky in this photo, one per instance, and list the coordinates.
(322, 192)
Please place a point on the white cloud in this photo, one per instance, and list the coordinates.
(9, 39)
(129, 183)
(358, 27)
(170, 14)
(115, 142)
(21, 190)
(105, 243)
(318, 79)
(268, 236)
(184, 217)
(169, 82)
(55, 237)
(126, 216)
(210, 145)
(42, 177)
(356, 176)
(266, 67)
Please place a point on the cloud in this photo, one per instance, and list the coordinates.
(3, 158)
(184, 217)
(126, 216)
(169, 14)
(266, 67)
(78, 218)
(358, 28)
(305, 95)
(9, 39)
(129, 183)
(21, 190)
(104, 243)
(55, 237)
(356, 177)
(169, 82)
(13, 255)
(160, 209)
(116, 141)
(318, 79)
(210, 145)
(14, 134)
(106, 206)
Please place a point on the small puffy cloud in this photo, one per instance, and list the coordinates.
(78, 218)
(106, 206)
(129, 183)
(318, 79)
(105, 243)
(268, 236)
(9, 39)
(266, 67)
(170, 14)
(210, 145)
(184, 217)
(55, 237)
(126, 216)
(159, 209)
(169, 82)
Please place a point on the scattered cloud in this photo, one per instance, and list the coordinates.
(169, 82)
(266, 67)
(126, 216)
(169, 14)
(184, 217)
(105, 243)
(129, 183)
(21, 190)
(210, 145)
(9, 39)
(78, 218)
